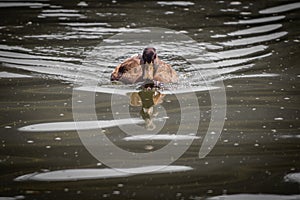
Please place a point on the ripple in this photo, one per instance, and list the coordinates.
(257, 20)
(253, 40)
(45, 15)
(126, 91)
(255, 197)
(254, 30)
(13, 198)
(57, 67)
(176, 3)
(68, 36)
(84, 24)
(255, 75)
(79, 125)
(160, 137)
(227, 70)
(280, 9)
(13, 75)
(110, 30)
(291, 136)
(23, 4)
(18, 48)
(107, 14)
(10, 54)
(230, 10)
(106, 90)
(105, 173)
(292, 177)
(234, 53)
(224, 63)
(60, 11)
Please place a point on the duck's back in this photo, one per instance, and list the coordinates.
(129, 71)
(165, 73)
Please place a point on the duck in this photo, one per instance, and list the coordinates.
(146, 68)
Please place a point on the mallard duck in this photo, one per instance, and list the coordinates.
(144, 68)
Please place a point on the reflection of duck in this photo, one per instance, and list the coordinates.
(147, 67)
(147, 99)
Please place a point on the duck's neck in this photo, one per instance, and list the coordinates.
(148, 72)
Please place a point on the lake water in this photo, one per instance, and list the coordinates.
(229, 129)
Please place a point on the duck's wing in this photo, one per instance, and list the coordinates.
(129, 71)
(165, 73)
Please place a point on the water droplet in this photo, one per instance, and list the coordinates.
(116, 192)
(235, 3)
(82, 3)
(149, 147)
(278, 118)
(210, 191)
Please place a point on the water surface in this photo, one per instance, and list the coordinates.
(49, 48)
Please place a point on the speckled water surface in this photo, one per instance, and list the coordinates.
(252, 45)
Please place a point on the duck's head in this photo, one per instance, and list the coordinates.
(148, 63)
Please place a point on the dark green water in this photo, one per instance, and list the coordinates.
(47, 49)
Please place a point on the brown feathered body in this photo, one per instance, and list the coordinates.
(130, 71)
